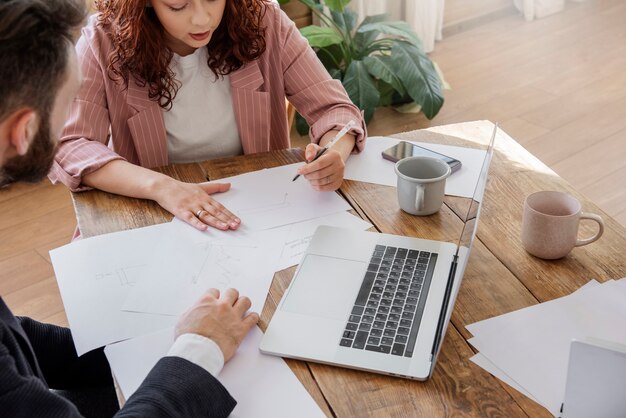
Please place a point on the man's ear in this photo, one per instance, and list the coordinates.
(24, 126)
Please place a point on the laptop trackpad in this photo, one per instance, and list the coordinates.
(325, 286)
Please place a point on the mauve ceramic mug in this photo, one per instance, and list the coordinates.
(550, 224)
(421, 184)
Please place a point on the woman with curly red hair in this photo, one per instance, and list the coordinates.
(177, 81)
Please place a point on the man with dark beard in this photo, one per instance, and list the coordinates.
(39, 77)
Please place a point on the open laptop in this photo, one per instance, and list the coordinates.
(372, 301)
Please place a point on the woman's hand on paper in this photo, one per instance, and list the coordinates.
(220, 317)
(326, 173)
(192, 202)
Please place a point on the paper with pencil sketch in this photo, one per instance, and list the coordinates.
(191, 262)
(369, 166)
(263, 386)
(96, 274)
(269, 198)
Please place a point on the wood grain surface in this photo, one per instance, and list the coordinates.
(500, 276)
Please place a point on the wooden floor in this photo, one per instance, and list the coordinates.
(557, 85)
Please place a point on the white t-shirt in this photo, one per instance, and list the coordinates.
(201, 123)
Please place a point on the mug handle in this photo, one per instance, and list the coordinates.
(419, 197)
(593, 217)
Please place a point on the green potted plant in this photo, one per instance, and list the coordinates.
(379, 62)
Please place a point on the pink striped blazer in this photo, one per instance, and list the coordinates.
(288, 68)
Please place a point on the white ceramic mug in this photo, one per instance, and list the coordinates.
(421, 184)
(550, 224)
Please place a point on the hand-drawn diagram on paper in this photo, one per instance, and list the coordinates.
(270, 198)
(281, 204)
(187, 269)
(126, 276)
(221, 263)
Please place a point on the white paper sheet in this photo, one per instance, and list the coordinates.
(263, 386)
(369, 166)
(300, 235)
(531, 345)
(483, 362)
(96, 274)
(191, 262)
(269, 198)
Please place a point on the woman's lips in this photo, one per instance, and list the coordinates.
(200, 36)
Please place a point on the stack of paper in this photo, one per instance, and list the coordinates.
(529, 348)
(127, 285)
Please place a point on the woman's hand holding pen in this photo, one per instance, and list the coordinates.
(192, 202)
(326, 173)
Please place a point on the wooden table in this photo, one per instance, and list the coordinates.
(499, 278)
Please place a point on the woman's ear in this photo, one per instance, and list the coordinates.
(23, 129)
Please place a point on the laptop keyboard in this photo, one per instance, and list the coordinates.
(388, 309)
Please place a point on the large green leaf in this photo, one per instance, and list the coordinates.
(374, 18)
(345, 20)
(336, 5)
(386, 93)
(362, 39)
(398, 28)
(419, 77)
(320, 37)
(381, 66)
(361, 88)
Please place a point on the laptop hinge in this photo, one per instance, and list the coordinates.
(444, 309)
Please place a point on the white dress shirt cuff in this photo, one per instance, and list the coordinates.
(199, 350)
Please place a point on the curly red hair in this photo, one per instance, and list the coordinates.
(139, 47)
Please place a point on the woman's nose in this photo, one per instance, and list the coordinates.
(201, 18)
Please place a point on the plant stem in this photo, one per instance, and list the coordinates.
(346, 55)
(329, 22)
(332, 57)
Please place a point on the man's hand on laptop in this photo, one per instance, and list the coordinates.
(222, 318)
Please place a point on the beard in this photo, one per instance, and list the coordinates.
(33, 166)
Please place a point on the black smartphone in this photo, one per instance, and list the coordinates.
(405, 149)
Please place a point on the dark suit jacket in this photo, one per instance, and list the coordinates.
(35, 357)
